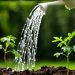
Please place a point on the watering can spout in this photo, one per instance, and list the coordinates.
(45, 5)
(70, 4)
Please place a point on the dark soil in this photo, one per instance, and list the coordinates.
(43, 71)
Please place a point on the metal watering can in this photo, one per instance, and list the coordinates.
(69, 4)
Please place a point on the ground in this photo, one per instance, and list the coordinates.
(41, 63)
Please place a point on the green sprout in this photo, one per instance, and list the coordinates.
(65, 47)
(7, 42)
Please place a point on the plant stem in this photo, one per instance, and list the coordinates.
(5, 54)
(67, 63)
(4, 57)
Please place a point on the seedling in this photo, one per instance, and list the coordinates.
(7, 42)
(65, 47)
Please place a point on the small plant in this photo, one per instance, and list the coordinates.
(7, 42)
(65, 47)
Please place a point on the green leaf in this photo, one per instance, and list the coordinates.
(60, 44)
(12, 38)
(3, 39)
(66, 49)
(65, 43)
(58, 54)
(12, 44)
(69, 34)
(7, 44)
(56, 39)
(16, 54)
(8, 38)
(67, 39)
(73, 33)
(69, 49)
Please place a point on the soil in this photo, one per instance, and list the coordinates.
(43, 71)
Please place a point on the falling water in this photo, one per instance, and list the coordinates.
(28, 44)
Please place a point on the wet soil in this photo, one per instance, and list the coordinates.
(43, 71)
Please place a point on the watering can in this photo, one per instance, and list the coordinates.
(69, 4)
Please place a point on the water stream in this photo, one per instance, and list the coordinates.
(29, 36)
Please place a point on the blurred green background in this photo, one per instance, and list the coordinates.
(58, 21)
